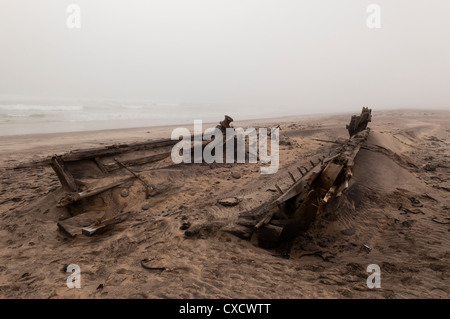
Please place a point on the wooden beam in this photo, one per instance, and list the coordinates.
(137, 161)
(73, 197)
(292, 177)
(148, 188)
(64, 176)
(278, 188)
(100, 165)
(100, 227)
(110, 150)
(73, 226)
(115, 149)
(329, 175)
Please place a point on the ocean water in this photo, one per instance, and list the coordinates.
(38, 116)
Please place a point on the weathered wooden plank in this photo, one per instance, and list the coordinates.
(329, 175)
(110, 150)
(91, 230)
(292, 177)
(100, 165)
(137, 161)
(73, 197)
(100, 227)
(64, 176)
(73, 226)
(115, 149)
(297, 187)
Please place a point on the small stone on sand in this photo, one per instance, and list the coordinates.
(185, 225)
(235, 174)
(232, 201)
(348, 232)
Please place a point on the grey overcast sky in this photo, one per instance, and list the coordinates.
(304, 55)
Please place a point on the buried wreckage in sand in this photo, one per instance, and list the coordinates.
(300, 203)
(84, 174)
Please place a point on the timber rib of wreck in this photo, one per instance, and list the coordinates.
(297, 207)
(76, 167)
(86, 173)
(101, 162)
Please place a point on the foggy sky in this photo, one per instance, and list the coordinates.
(292, 55)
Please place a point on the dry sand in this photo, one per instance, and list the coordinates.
(407, 155)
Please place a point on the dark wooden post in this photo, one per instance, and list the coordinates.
(64, 176)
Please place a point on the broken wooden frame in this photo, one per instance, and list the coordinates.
(97, 155)
(104, 158)
(298, 206)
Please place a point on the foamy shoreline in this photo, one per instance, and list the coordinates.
(30, 146)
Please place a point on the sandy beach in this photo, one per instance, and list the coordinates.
(407, 156)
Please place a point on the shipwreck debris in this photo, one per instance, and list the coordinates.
(226, 123)
(89, 223)
(73, 197)
(299, 205)
(85, 173)
(104, 152)
(65, 177)
(229, 202)
(145, 266)
(359, 123)
(148, 188)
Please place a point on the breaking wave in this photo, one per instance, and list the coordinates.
(24, 107)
